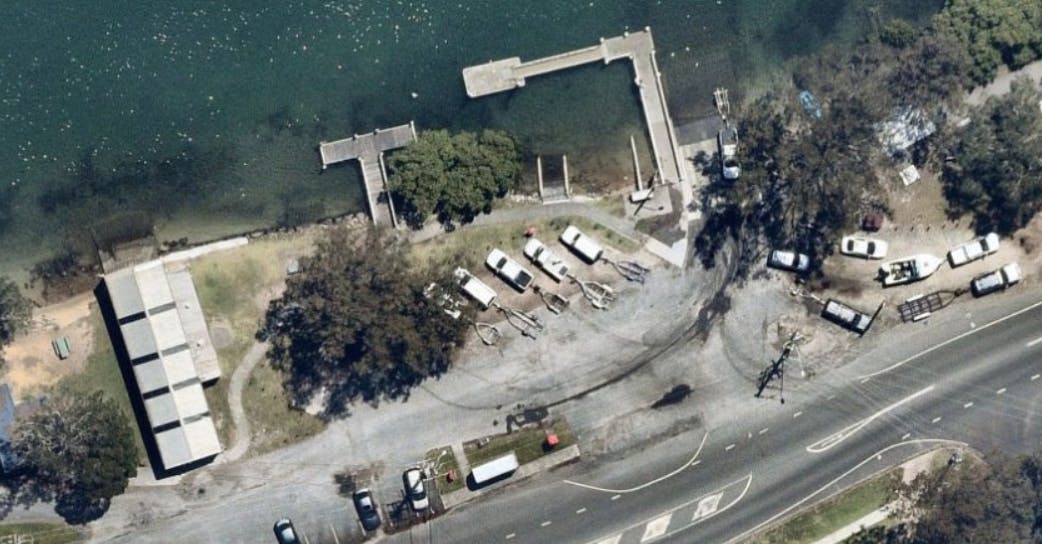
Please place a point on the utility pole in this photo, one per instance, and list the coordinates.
(777, 368)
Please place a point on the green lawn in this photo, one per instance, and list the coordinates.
(527, 443)
(102, 373)
(444, 460)
(39, 533)
(842, 510)
(274, 423)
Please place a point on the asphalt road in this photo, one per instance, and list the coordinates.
(982, 389)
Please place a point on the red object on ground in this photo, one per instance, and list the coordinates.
(872, 222)
(552, 440)
(451, 476)
(530, 232)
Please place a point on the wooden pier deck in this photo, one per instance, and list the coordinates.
(368, 150)
(503, 75)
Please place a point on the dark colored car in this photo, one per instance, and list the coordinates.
(285, 533)
(366, 508)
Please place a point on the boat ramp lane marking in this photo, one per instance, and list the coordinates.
(832, 440)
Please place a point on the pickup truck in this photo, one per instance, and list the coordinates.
(974, 249)
(541, 255)
(581, 244)
(509, 270)
(996, 280)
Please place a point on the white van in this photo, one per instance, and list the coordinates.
(496, 468)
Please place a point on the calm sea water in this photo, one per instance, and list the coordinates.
(203, 117)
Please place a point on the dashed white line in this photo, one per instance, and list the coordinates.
(656, 527)
(905, 436)
(796, 415)
(967, 405)
(729, 447)
(1033, 342)
(580, 511)
(763, 430)
(615, 497)
(1000, 391)
(611, 540)
(511, 535)
(545, 523)
(1035, 377)
(936, 419)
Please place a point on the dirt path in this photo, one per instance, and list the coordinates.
(242, 425)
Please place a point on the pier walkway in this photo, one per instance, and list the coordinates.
(503, 75)
(369, 149)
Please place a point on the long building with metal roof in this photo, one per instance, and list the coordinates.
(164, 332)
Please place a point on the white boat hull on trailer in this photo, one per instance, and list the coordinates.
(908, 269)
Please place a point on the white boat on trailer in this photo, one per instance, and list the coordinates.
(908, 269)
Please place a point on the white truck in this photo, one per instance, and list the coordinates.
(996, 280)
(977, 248)
(583, 245)
(508, 269)
(475, 288)
(541, 255)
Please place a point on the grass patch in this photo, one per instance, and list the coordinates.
(234, 288)
(40, 533)
(842, 510)
(603, 234)
(274, 423)
(444, 461)
(526, 443)
(102, 373)
(613, 204)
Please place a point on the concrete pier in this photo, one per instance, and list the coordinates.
(507, 74)
(368, 149)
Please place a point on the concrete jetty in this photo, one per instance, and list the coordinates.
(369, 150)
(503, 75)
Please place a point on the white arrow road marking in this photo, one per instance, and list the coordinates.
(656, 527)
(707, 506)
(834, 439)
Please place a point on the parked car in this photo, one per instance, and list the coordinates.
(366, 508)
(788, 260)
(727, 141)
(995, 280)
(415, 492)
(546, 259)
(845, 316)
(509, 270)
(581, 244)
(859, 246)
(974, 249)
(475, 288)
(285, 533)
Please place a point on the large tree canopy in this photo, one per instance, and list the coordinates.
(455, 177)
(78, 450)
(357, 323)
(15, 312)
(994, 171)
(994, 32)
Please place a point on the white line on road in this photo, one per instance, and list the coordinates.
(905, 436)
(936, 419)
(656, 527)
(615, 497)
(729, 447)
(511, 535)
(763, 430)
(545, 523)
(1000, 391)
(748, 482)
(1034, 342)
(967, 405)
(834, 439)
(581, 510)
(1035, 377)
(691, 462)
(949, 341)
(610, 540)
(796, 415)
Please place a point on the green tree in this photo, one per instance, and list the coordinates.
(455, 177)
(357, 323)
(933, 70)
(78, 450)
(898, 33)
(994, 32)
(993, 171)
(15, 312)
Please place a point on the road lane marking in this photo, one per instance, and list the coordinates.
(707, 506)
(967, 405)
(610, 540)
(905, 436)
(1034, 342)
(936, 419)
(580, 511)
(545, 523)
(763, 430)
(656, 527)
(835, 438)
(615, 497)
(691, 462)
(949, 341)
(796, 415)
(1000, 391)
(1035, 377)
(511, 535)
(729, 447)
